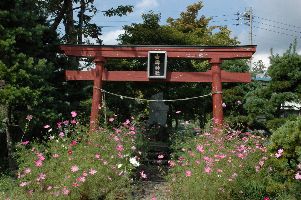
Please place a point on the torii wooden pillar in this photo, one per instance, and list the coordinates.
(215, 55)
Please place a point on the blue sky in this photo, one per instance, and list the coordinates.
(276, 22)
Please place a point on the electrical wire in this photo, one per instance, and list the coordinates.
(278, 22)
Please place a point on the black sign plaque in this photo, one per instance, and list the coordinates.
(157, 64)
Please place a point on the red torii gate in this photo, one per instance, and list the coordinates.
(214, 54)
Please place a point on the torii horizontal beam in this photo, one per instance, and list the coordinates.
(141, 76)
(128, 51)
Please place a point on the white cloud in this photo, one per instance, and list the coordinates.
(262, 56)
(147, 4)
(110, 38)
(275, 23)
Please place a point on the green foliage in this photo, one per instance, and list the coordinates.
(72, 164)
(119, 11)
(265, 100)
(288, 137)
(279, 177)
(211, 166)
(26, 45)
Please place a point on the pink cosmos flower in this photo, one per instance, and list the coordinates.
(73, 143)
(261, 163)
(73, 121)
(126, 122)
(200, 148)
(97, 156)
(23, 184)
(73, 114)
(154, 198)
(29, 117)
(208, 170)
(116, 138)
(221, 156)
(46, 126)
(160, 156)
(279, 153)
(240, 155)
(132, 133)
(41, 176)
(266, 198)
(117, 131)
(119, 147)
(81, 179)
(188, 173)
(25, 142)
(59, 124)
(208, 159)
(92, 171)
(298, 176)
(224, 105)
(61, 134)
(66, 122)
(143, 175)
(111, 119)
(75, 184)
(171, 163)
(40, 156)
(27, 170)
(39, 163)
(74, 168)
(65, 191)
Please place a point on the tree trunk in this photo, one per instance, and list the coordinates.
(58, 17)
(81, 21)
(9, 143)
(69, 26)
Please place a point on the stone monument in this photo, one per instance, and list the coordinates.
(158, 117)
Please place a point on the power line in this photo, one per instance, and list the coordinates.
(282, 28)
(278, 22)
(278, 32)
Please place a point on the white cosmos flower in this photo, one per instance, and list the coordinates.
(134, 162)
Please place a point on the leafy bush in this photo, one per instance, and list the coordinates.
(209, 165)
(236, 165)
(75, 164)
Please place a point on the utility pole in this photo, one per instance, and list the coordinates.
(248, 17)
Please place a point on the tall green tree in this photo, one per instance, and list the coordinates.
(266, 101)
(26, 48)
(76, 17)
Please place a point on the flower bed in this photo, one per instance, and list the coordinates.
(75, 164)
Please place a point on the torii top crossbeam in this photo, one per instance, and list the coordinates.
(214, 54)
(141, 51)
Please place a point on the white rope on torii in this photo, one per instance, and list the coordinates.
(155, 100)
